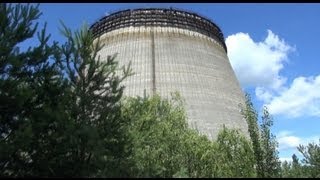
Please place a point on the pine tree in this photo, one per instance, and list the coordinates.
(101, 146)
(311, 159)
(285, 169)
(31, 93)
(60, 108)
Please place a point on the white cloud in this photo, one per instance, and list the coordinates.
(301, 98)
(288, 143)
(263, 94)
(288, 159)
(258, 63)
(287, 140)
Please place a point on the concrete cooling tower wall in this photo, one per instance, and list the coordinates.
(172, 50)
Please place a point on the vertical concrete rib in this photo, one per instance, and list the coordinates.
(153, 64)
(188, 54)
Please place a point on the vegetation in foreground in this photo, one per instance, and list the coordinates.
(62, 114)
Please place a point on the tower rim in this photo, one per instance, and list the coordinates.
(158, 17)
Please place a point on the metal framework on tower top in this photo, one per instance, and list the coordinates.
(158, 18)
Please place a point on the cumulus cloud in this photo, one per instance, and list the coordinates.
(288, 143)
(263, 94)
(258, 64)
(287, 140)
(301, 98)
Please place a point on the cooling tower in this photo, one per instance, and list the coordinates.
(172, 50)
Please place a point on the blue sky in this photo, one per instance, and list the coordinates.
(272, 48)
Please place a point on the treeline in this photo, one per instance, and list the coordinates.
(63, 114)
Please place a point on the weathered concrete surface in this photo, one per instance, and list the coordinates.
(168, 59)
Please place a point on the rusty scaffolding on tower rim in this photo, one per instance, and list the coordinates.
(158, 18)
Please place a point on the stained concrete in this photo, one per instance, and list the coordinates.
(166, 59)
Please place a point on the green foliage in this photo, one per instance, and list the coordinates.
(285, 169)
(311, 154)
(235, 154)
(263, 141)
(251, 117)
(96, 108)
(297, 169)
(157, 130)
(163, 145)
(200, 157)
(31, 93)
(294, 169)
(271, 162)
(60, 106)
